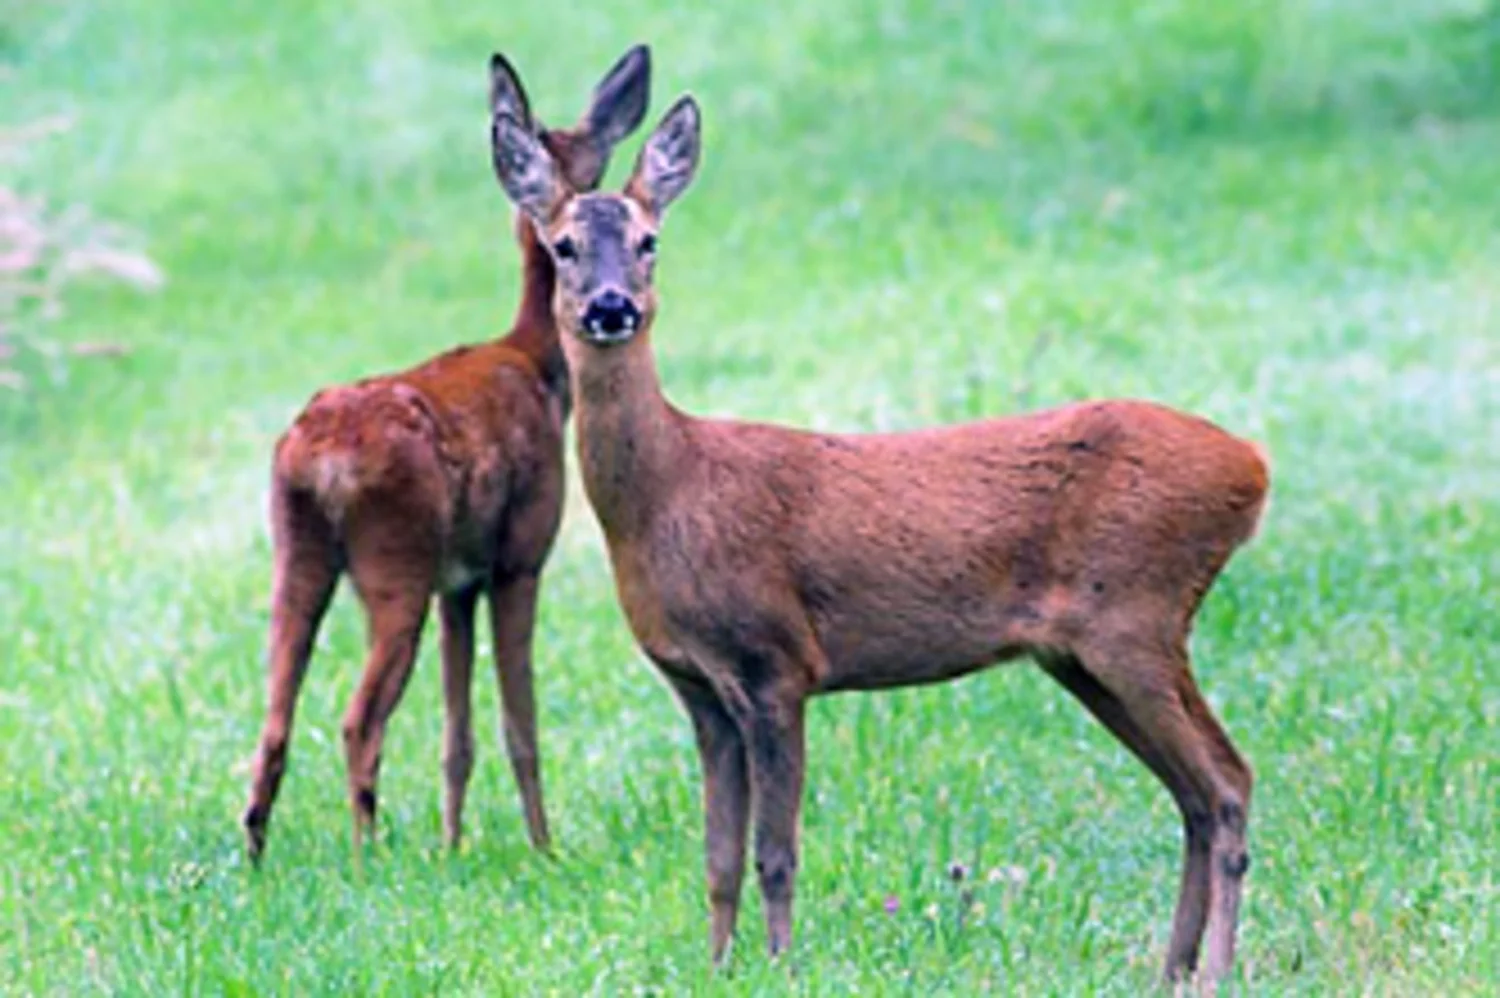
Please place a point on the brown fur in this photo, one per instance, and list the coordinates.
(447, 480)
(759, 566)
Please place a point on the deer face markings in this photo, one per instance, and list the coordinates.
(603, 245)
(605, 250)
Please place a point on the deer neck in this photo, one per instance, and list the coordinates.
(631, 441)
(534, 333)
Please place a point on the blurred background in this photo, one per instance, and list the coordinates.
(1281, 214)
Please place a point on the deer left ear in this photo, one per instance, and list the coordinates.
(525, 169)
(507, 96)
(669, 159)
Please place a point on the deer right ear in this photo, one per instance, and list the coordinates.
(621, 99)
(669, 158)
(507, 96)
(525, 169)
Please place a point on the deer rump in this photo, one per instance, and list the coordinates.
(450, 444)
(916, 557)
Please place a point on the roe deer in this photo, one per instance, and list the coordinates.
(445, 479)
(759, 565)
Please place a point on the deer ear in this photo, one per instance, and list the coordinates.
(507, 96)
(621, 98)
(618, 106)
(525, 169)
(669, 158)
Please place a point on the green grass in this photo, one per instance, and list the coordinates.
(1280, 214)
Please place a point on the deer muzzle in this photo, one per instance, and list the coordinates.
(611, 317)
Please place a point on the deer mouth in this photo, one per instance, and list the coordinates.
(609, 329)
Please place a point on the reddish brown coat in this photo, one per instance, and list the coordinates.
(447, 480)
(760, 565)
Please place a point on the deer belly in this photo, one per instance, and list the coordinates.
(895, 648)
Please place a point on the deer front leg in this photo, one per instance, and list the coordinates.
(776, 751)
(726, 807)
(512, 619)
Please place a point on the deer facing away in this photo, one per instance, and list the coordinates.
(447, 480)
(760, 565)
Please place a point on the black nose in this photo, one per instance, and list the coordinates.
(611, 313)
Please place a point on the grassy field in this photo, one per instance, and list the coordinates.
(1280, 214)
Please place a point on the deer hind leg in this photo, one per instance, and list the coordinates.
(1231, 816)
(1193, 893)
(1158, 693)
(512, 621)
(394, 571)
(456, 611)
(726, 807)
(305, 572)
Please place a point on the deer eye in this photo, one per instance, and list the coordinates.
(564, 249)
(647, 245)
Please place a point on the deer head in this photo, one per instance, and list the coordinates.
(603, 245)
(581, 152)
